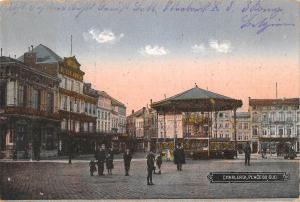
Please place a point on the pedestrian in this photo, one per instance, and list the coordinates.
(159, 162)
(100, 156)
(168, 155)
(179, 157)
(92, 167)
(150, 167)
(109, 161)
(127, 160)
(247, 151)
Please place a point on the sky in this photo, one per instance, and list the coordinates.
(141, 50)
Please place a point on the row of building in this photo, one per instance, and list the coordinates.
(268, 124)
(46, 105)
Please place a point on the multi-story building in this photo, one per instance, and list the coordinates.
(223, 126)
(104, 113)
(120, 120)
(275, 122)
(76, 109)
(243, 129)
(29, 101)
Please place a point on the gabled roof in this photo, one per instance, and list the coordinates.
(44, 55)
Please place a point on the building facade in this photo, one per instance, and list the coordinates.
(29, 118)
(275, 122)
(243, 129)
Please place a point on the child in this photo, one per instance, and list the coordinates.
(92, 167)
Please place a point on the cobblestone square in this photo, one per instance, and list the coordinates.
(59, 180)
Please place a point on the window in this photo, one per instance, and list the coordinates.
(50, 102)
(21, 95)
(64, 124)
(35, 99)
(71, 105)
(77, 126)
(246, 137)
(255, 132)
(280, 131)
(240, 126)
(72, 85)
(246, 126)
(289, 131)
(298, 130)
(264, 132)
(63, 102)
(273, 130)
(281, 116)
(221, 115)
(2, 93)
(298, 116)
(66, 83)
(265, 117)
(289, 116)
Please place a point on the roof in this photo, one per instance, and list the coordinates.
(270, 102)
(197, 99)
(44, 55)
(137, 113)
(113, 100)
(197, 93)
(4, 59)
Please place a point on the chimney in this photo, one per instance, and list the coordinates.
(1, 51)
(150, 102)
(30, 57)
(132, 112)
(31, 48)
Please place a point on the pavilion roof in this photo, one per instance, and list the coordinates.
(196, 99)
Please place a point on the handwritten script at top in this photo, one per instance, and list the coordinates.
(257, 15)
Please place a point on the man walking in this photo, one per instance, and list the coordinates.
(179, 157)
(127, 160)
(100, 156)
(150, 167)
(247, 151)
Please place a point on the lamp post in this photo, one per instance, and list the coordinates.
(70, 138)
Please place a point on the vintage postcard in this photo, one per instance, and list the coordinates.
(149, 99)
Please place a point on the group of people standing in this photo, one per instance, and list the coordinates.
(103, 157)
(154, 161)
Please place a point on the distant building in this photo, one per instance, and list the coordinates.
(275, 122)
(243, 129)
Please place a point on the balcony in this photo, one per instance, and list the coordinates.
(31, 112)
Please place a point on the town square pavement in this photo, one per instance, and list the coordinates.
(59, 180)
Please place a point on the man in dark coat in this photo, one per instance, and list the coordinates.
(109, 161)
(179, 157)
(100, 156)
(247, 151)
(127, 160)
(150, 167)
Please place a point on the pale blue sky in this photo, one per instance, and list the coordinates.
(174, 32)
